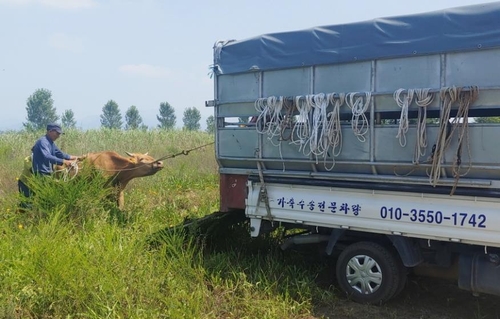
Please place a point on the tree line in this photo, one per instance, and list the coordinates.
(41, 111)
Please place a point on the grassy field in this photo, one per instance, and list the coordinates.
(76, 256)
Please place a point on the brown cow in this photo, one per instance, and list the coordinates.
(120, 169)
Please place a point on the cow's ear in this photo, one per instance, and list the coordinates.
(129, 154)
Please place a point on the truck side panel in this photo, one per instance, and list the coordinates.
(455, 219)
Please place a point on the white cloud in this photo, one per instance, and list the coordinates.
(145, 70)
(60, 4)
(65, 42)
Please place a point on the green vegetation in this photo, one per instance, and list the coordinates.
(74, 255)
(493, 119)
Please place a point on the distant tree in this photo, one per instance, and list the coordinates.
(111, 116)
(191, 119)
(41, 110)
(167, 116)
(68, 119)
(492, 119)
(133, 120)
(211, 124)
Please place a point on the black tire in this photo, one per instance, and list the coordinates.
(403, 280)
(370, 273)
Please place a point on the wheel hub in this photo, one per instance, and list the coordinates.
(364, 274)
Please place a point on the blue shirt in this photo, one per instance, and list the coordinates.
(46, 154)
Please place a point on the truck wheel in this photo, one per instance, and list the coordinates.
(369, 273)
(403, 279)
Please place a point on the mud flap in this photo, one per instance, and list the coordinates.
(410, 254)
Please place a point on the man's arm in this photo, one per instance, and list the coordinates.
(67, 159)
(60, 154)
(46, 152)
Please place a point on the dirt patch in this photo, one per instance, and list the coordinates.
(422, 298)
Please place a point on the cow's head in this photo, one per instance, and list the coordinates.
(145, 164)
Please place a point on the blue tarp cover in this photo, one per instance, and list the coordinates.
(467, 28)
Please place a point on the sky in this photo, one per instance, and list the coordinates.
(144, 52)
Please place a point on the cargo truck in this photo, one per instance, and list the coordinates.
(375, 138)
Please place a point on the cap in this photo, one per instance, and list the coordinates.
(55, 127)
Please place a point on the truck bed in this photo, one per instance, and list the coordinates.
(444, 50)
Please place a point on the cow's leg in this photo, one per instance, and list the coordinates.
(118, 196)
(121, 199)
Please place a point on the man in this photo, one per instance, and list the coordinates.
(45, 153)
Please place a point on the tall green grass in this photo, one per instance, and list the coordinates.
(74, 255)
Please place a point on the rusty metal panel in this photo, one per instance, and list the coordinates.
(233, 192)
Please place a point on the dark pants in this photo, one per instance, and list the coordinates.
(23, 189)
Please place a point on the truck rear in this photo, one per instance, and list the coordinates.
(375, 138)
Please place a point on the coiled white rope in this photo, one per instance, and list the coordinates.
(318, 130)
(423, 98)
(359, 105)
(319, 103)
(333, 130)
(403, 100)
(68, 173)
(269, 119)
(301, 131)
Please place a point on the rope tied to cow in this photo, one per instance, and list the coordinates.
(183, 152)
(68, 173)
